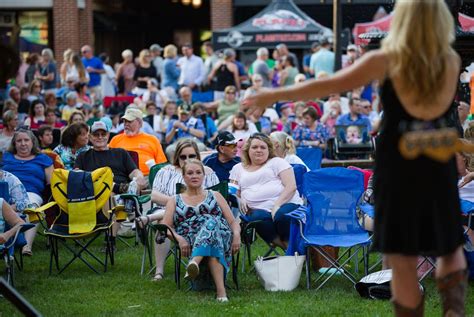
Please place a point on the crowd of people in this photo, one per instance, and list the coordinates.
(178, 108)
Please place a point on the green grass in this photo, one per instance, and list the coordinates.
(122, 291)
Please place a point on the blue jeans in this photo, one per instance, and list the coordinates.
(268, 229)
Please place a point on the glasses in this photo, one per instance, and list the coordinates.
(99, 134)
(84, 51)
(230, 92)
(366, 107)
(184, 157)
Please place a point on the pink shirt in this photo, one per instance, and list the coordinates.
(261, 188)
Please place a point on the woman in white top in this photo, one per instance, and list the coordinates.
(285, 148)
(153, 93)
(239, 126)
(164, 190)
(266, 188)
(77, 72)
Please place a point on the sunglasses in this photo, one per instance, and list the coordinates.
(231, 146)
(99, 134)
(184, 157)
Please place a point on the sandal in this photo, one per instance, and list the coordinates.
(142, 221)
(222, 299)
(158, 277)
(26, 251)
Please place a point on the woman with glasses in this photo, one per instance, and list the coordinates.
(164, 189)
(34, 90)
(33, 168)
(144, 72)
(266, 189)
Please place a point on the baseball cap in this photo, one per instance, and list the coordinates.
(183, 110)
(132, 114)
(351, 47)
(99, 125)
(225, 138)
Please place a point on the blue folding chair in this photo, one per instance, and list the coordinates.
(311, 156)
(330, 219)
(299, 170)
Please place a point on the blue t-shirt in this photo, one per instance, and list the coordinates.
(191, 123)
(45, 71)
(96, 63)
(29, 172)
(222, 169)
(346, 119)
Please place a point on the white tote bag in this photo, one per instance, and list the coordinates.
(280, 273)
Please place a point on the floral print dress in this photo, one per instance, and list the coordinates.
(205, 229)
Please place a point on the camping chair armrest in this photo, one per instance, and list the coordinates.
(40, 209)
(145, 192)
(143, 199)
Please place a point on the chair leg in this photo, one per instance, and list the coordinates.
(235, 268)
(308, 269)
(177, 269)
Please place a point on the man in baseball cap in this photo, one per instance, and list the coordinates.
(226, 157)
(147, 146)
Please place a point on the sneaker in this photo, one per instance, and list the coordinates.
(222, 299)
(192, 270)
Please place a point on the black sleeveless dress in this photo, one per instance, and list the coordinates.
(417, 207)
(224, 78)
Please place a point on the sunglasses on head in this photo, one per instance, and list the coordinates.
(184, 157)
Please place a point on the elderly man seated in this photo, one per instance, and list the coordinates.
(186, 126)
(122, 165)
(147, 146)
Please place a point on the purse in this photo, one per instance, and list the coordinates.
(280, 273)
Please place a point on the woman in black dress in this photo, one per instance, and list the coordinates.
(418, 72)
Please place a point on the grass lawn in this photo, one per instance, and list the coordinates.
(122, 291)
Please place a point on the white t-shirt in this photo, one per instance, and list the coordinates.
(293, 159)
(261, 188)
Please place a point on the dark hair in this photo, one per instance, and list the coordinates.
(78, 86)
(310, 111)
(180, 146)
(32, 59)
(32, 106)
(290, 60)
(49, 110)
(34, 150)
(42, 130)
(240, 115)
(74, 113)
(207, 43)
(70, 134)
(103, 57)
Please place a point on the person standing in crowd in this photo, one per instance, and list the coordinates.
(107, 79)
(154, 94)
(157, 60)
(323, 60)
(33, 67)
(307, 58)
(431, 199)
(261, 68)
(283, 52)
(47, 70)
(125, 73)
(144, 72)
(147, 146)
(193, 72)
(95, 68)
(77, 71)
(65, 66)
(289, 72)
(225, 158)
(211, 59)
(225, 74)
(171, 70)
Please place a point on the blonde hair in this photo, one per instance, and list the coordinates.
(191, 162)
(468, 157)
(141, 56)
(127, 53)
(469, 132)
(285, 141)
(418, 46)
(67, 54)
(170, 51)
(256, 136)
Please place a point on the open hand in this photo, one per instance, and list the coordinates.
(243, 206)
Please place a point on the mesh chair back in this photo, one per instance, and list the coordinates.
(332, 195)
(299, 170)
(311, 156)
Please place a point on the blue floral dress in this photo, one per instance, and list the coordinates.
(205, 229)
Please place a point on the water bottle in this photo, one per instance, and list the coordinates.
(233, 188)
(132, 189)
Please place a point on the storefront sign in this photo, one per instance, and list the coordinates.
(280, 20)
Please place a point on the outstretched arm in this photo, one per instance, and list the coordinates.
(370, 67)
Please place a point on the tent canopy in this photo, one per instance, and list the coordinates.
(280, 22)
